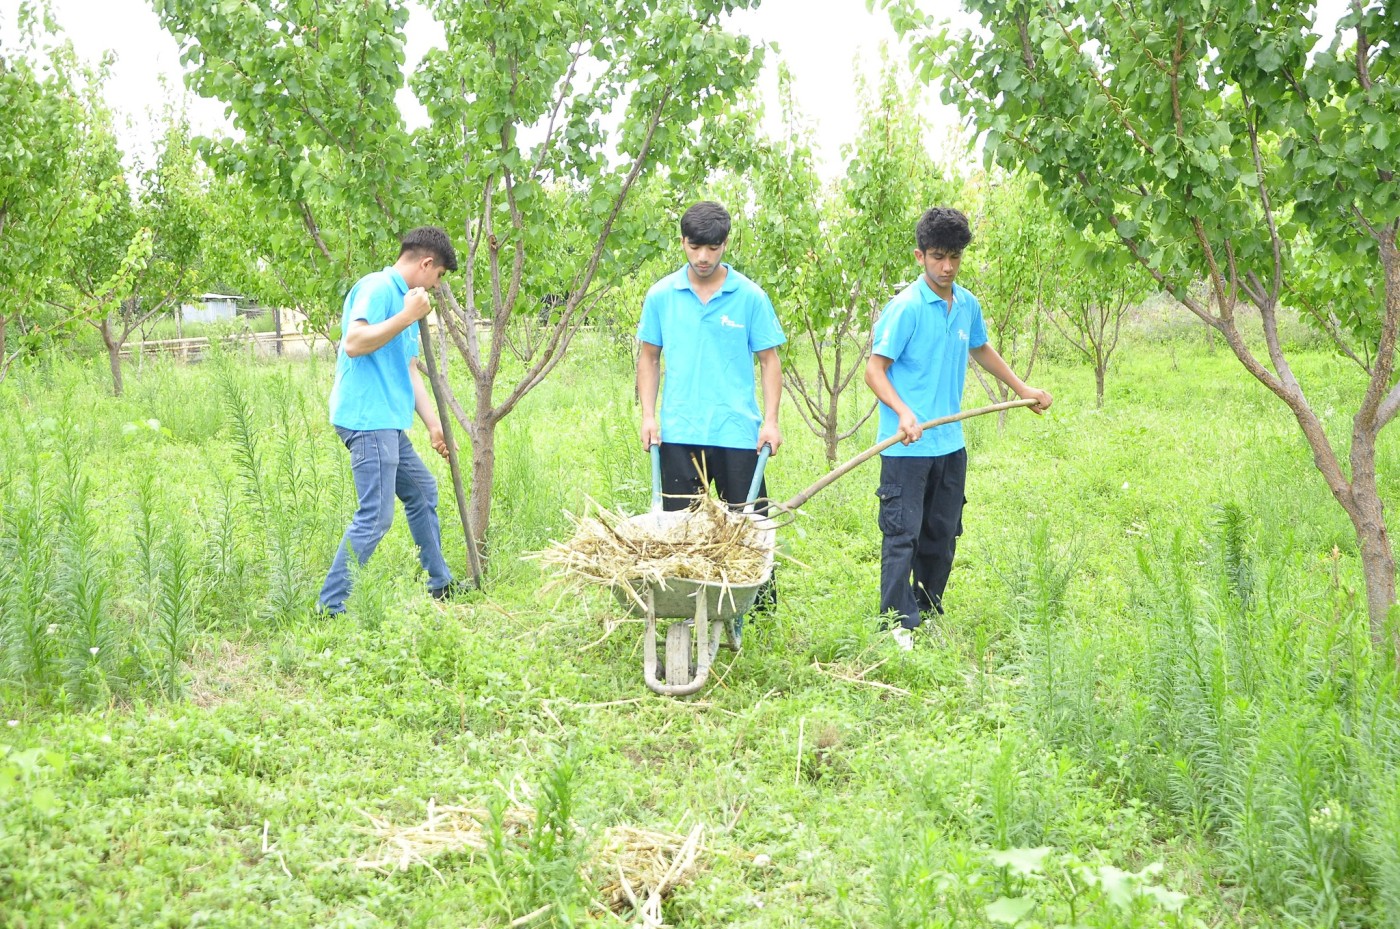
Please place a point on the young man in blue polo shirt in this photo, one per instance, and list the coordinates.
(377, 389)
(710, 322)
(917, 366)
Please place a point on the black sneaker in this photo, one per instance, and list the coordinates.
(452, 591)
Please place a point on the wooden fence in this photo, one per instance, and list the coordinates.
(262, 344)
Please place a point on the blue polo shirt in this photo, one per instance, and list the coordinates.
(708, 397)
(373, 391)
(928, 344)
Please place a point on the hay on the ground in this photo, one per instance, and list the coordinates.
(631, 868)
(637, 869)
(711, 543)
(447, 829)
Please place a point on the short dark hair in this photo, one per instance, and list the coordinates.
(706, 223)
(429, 240)
(942, 228)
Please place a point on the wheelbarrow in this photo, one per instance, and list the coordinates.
(704, 614)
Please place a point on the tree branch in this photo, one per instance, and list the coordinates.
(314, 230)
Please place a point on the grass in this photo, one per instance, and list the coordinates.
(1151, 702)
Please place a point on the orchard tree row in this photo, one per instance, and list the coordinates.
(563, 141)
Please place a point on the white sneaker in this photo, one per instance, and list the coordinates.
(903, 638)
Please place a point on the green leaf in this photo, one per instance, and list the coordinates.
(43, 800)
(1009, 911)
(1021, 861)
(1169, 900)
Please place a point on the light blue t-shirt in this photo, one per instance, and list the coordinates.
(928, 345)
(373, 391)
(708, 397)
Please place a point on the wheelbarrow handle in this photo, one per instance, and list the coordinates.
(763, 454)
(655, 452)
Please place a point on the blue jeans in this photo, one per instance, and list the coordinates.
(385, 465)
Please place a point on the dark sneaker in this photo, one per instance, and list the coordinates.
(734, 637)
(766, 600)
(451, 592)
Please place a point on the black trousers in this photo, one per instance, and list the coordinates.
(921, 504)
(730, 470)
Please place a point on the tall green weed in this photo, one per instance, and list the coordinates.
(1233, 709)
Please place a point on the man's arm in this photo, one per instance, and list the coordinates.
(365, 337)
(877, 378)
(992, 362)
(426, 411)
(771, 376)
(648, 383)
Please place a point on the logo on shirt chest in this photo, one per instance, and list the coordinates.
(962, 334)
(728, 323)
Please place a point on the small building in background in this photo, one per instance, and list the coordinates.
(212, 308)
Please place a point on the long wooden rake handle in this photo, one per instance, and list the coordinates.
(874, 450)
(445, 415)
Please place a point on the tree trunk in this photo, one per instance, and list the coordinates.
(1367, 514)
(483, 440)
(833, 417)
(1099, 371)
(114, 356)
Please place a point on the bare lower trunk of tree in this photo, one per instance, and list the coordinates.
(832, 433)
(1357, 493)
(1377, 565)
(114, 356)
(483, 439)
(1367, 514)
(1100, 370)
(6, 359)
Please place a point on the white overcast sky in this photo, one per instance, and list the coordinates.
(825, 43)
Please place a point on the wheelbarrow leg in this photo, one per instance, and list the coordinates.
(678, 669)
(649, 667)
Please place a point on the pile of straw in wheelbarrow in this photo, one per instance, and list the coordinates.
(711, 543)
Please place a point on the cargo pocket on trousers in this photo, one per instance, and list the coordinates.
(891, 510)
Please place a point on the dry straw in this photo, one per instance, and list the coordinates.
(711, 543)
(447, 829)
(632, 868)
(638, 869)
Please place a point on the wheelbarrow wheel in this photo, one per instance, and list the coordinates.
(678, 665)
